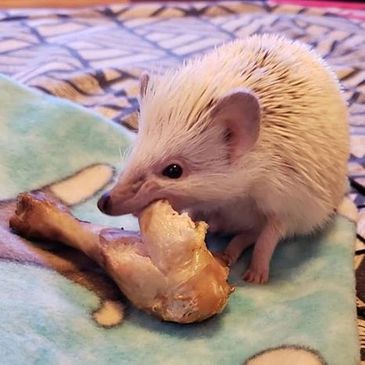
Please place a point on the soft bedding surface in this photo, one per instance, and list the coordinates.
(57, 307)
(94, 57)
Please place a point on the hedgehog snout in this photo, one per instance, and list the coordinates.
(104, 203)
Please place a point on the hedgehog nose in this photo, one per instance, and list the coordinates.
(104, 203)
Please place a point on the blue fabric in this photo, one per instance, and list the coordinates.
(45, 317)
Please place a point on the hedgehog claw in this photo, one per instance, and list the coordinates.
(256, 275)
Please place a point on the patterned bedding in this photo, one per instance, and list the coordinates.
(94, 57)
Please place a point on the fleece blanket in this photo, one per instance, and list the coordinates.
(58, 308)
(93, 57)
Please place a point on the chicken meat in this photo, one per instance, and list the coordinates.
(165, 270)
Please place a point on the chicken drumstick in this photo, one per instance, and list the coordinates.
(165, 270)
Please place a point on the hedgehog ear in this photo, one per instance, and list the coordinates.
(144, 79)
(240, 113)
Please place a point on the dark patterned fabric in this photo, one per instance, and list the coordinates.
(95, 56)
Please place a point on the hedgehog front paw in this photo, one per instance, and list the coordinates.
(257, 273)
(225, 257)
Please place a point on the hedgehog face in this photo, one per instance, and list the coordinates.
(185, 163)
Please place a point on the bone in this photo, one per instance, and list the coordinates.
(166, 270)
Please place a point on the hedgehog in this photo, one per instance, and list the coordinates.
(251, 137)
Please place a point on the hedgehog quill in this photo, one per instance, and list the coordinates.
(251, 138)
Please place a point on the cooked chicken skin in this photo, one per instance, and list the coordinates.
(165, 270)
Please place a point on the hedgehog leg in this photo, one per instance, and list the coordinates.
(258, 270)
(236, 246)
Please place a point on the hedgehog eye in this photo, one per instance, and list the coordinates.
(173, 171)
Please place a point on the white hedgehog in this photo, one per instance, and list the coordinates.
(252, 137)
